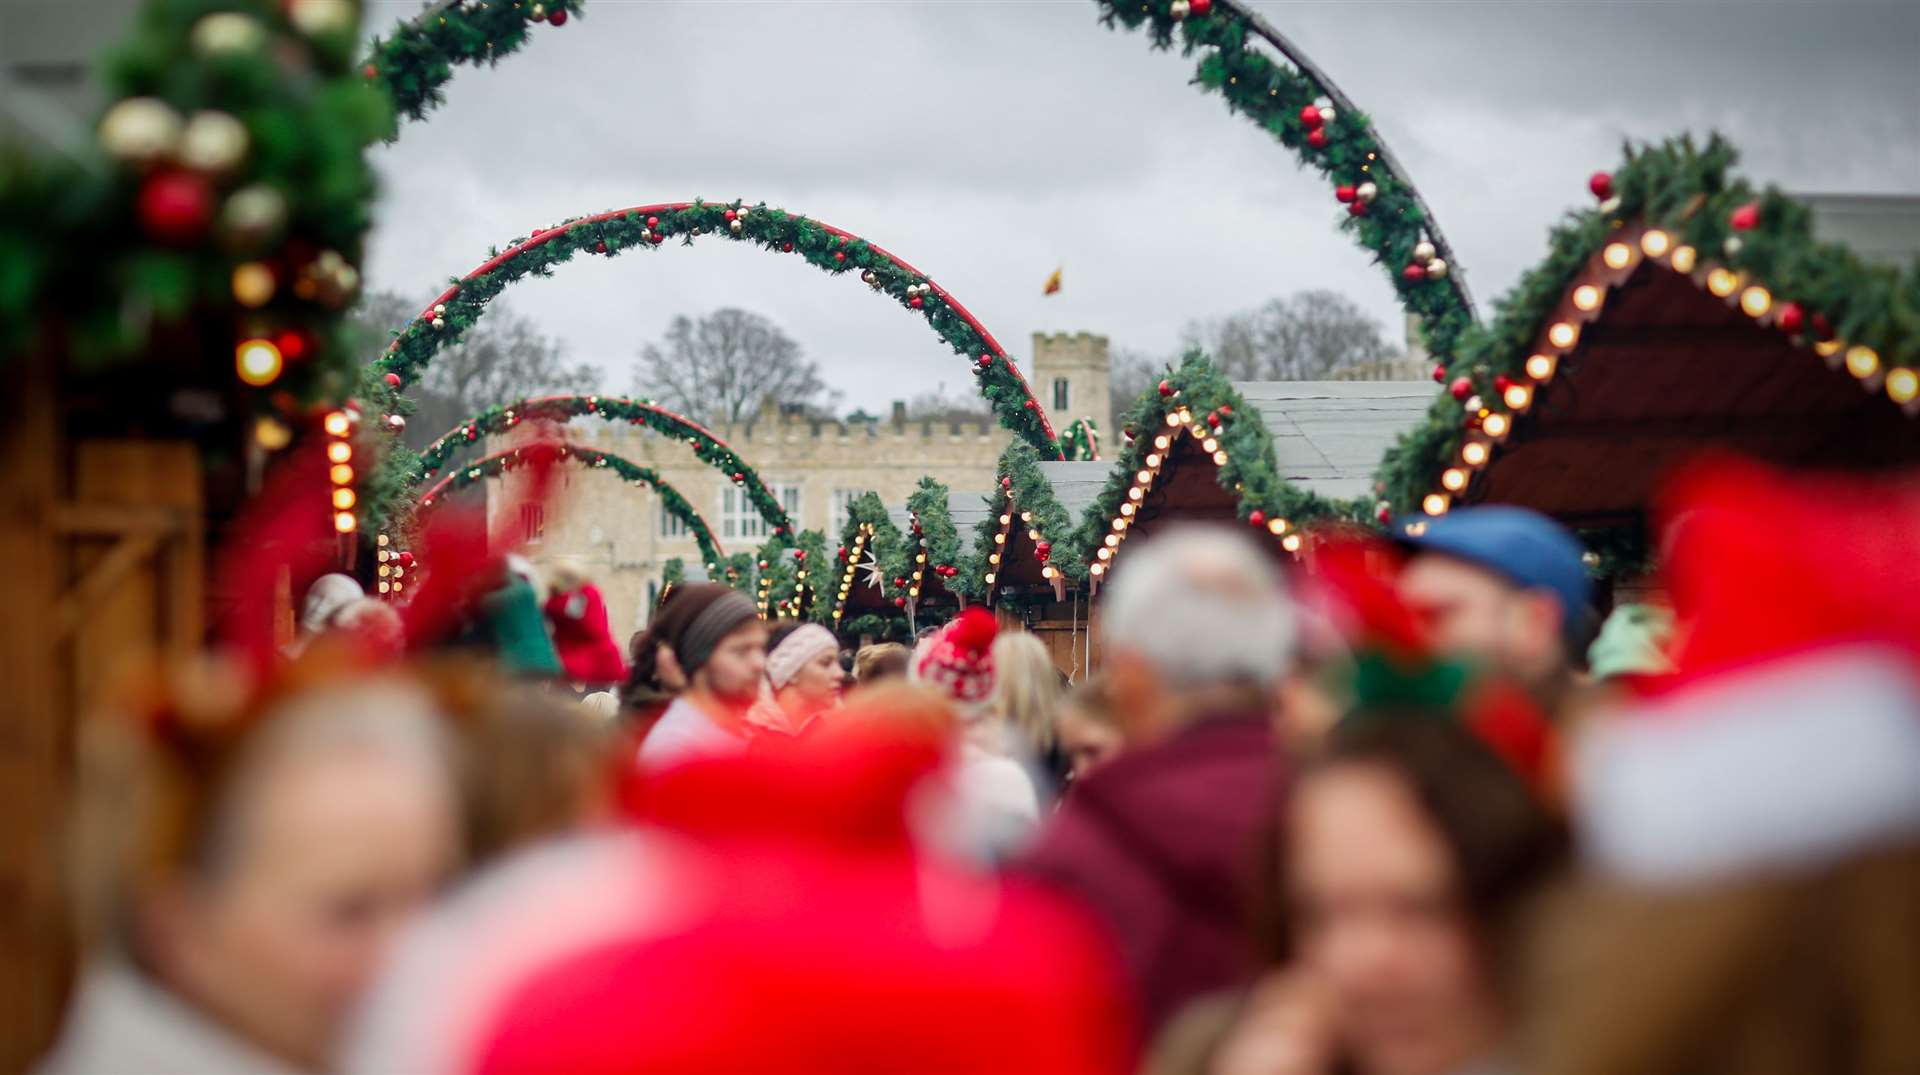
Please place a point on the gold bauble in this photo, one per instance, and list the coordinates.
(140, 130)
(252, 217)
(214, 142)
(226, 32)
(319, 18)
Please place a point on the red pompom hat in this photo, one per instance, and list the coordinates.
(959, 657)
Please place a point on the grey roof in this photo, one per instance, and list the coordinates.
(967, 510)
(902, 519)
(1329, 436)
(1882, 228)
(1076, 485)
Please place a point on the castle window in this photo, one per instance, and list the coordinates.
(533, 523)
(842, 508)
(671, 526)
(740, 519)
(1060, 401)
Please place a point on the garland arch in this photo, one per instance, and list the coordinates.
(644, 227)
(498, 463)
(709, 448)
(1303, 108)
(418, 59)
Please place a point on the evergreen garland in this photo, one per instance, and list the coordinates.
(1199, 388)
(413, 64)
(102, 256)
(933, 534)
(1687, 190)
(501, 418)
(1032, 494)
(789, 577)
(499, 463)
(672, 573)
(866, 512)
(1081, 442)
(1280, 100)
(613, 233)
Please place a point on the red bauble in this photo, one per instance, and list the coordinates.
(1256, 517)
(176, 207)
(1745, 218)
(1792, 319)
(1461, 388)
(559, 17)
(1385, 514)
(899, 582)
(1196, 8)
(393, 380)
(1006, 483)
(1343, 192)
(1502, 382)
(1357, 208)
(786, 248)
(841, 552)
(1440, 374)
(915, 302)
(1214, 419)
(900, 602)
(472, 433)
(986, 361)
(1033, 405)
(293, 344)
(1166, 389)
(839, 255)
(653, 222)
(1601, 184)
(1317, 138)
(1414, 272)
(600, 247)
(592, 406)
(657, 238)
(1226, 410)
(369, 71)
(739, 477)
(1310, 116)
(406, 559)
(1044, 548)
(800, 555)
(731, 215)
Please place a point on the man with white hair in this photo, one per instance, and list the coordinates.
(1197, 631)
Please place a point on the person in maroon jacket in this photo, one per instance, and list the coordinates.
(1163, 842)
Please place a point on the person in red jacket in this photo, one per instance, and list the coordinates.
(1163, 841)
(577, 616)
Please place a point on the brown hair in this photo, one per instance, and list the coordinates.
(539, 765)
(880, 661)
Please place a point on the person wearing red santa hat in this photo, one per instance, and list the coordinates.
(773, 913)
(1750, 826)
(577, 618)
(998, 801)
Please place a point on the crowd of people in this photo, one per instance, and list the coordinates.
(1407, 808)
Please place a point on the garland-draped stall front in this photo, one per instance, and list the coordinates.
(501, 462)
(1683, 285)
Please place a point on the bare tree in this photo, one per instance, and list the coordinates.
(1304, 336)
(1132, 374)
(502, 358)
(940, 405)
(719, 368)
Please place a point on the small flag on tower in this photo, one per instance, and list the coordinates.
(1053, 282)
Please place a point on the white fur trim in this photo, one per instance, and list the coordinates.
(1791, 765)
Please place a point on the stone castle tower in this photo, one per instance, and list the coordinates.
(1071, 376)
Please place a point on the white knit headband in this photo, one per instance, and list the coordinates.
(796, 650)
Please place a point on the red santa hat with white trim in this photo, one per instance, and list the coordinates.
(1788, 737)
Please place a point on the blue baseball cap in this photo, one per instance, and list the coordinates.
(1524, 547)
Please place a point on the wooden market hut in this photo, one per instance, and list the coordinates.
(1313, 447)
(1022, 551)
(1696, 316)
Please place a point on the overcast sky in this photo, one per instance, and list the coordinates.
(988, 142)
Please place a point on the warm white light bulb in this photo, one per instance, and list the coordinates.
(1562, 334)
(1540, 367)
(1617, 255)
(1495, 425)
(1586, 297)
(1434, 504)
(1756, 301)
(1655, 242)
(1454, 479)
(1474, 454)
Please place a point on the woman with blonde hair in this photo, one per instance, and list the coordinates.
(1026, 696)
